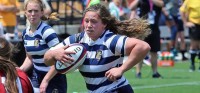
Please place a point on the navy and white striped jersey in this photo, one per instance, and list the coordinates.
(104, 53)
(38, 43)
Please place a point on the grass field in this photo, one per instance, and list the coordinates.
(176, 79)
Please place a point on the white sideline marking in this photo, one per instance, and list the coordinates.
(168, 85)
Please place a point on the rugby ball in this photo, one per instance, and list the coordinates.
(79, 58)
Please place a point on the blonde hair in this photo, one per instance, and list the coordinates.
(52, 16)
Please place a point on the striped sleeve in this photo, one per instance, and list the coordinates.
(50, 37)
(117, 44)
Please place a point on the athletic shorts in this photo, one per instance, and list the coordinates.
(124, 89)
(179, 23)
(194, 32)
(58, 84)
(154, 39)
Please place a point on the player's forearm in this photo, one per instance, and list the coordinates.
(27, 64)
(49, 58)
(51, 73)
(136, 55)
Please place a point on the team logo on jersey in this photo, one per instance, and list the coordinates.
(98, 55)
(36, 42)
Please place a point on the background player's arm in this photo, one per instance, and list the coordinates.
(27, 64)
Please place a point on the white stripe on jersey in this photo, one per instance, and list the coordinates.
(104, 43)
(57, 46)
(38, 60)
(39, 68)
(53, 42)
(37, 49)
(41, 52)
(95, 80)
(109, 41)
(99, 68)
(120, 42)
(47, 33)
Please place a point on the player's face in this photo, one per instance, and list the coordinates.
(33, 13)
(93, 25)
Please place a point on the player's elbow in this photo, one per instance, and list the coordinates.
(146, 47)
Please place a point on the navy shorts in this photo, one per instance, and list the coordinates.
(179, 23)
(58, 84)
(124, 89)
(194, 32)
(178, 27)
(154, 39)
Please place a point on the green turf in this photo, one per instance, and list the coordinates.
(176, 79)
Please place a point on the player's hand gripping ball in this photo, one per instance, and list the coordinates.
(79, 58)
